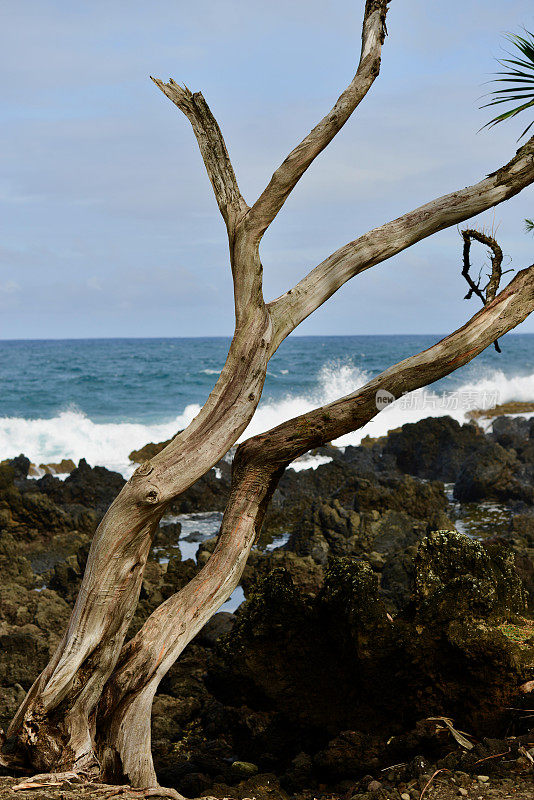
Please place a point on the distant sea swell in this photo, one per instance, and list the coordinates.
(100, 400)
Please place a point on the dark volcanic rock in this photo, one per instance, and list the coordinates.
(92, 487)
(265, 786)
(325, 660)
(328, 528)
(23, 654)
(512, 432)
(14, 567)
(306, 574)
(374, 487)
(30, 513)
(368, 622)
(433, 448)
(495, 473)
(421, 500)
(20, 465)
(48, 508)
(209, 493)
(458, 578)
(219, 625)
(348, 754)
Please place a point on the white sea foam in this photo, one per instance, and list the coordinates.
(72, 434)
(484, 392)
(309, 461)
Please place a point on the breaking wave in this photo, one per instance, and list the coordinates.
(72, 434)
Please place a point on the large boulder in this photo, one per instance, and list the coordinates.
(327, 528)
(219, 625)
(433, 448)
(339, 661)
(459, 578)
(91, 487)
(493, 473)
(422, 500)
(512, 432)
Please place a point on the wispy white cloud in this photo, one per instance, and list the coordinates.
(8, 287)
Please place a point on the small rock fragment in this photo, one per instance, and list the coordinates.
(374, 786)
(244, 769)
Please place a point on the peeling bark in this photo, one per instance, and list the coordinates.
(53, 725)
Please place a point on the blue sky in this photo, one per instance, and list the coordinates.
(108, 225)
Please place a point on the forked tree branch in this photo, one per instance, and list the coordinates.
(379, 244)
(257, 467)
(297, 162)
(213, 149)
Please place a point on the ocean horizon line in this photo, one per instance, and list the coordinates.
(229, 337)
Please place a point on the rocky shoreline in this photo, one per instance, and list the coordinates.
(397, 612)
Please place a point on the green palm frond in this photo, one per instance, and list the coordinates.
(519, 72)
(529, 226)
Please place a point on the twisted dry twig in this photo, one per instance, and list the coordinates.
(487, 294)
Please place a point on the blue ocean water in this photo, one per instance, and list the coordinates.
(101, 398)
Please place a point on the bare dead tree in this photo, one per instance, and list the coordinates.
(89, 710)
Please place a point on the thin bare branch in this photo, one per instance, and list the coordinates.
(496, 264)
(213, 149)
(487, 294)
(297, 162)
(381, 243)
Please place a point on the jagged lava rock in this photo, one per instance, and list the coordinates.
(433, 448)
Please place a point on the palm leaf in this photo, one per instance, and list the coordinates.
(519, 72)
(529, 225)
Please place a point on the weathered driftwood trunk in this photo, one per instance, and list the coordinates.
(54, 721)
(90, 708)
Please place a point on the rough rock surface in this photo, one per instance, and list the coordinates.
(433, 448)
(370, 626)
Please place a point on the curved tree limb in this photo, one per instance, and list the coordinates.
(379, 244)
(258, 466)
(297, 162)
(213, 149)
